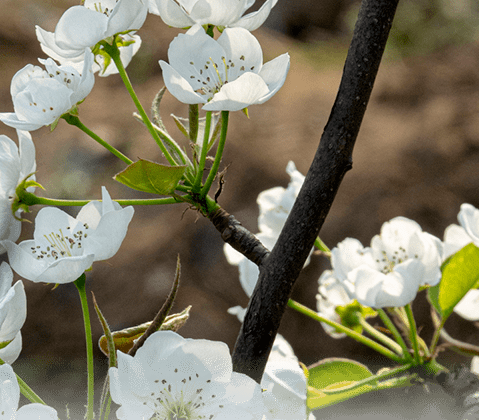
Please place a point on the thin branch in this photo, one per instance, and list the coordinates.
(333, 159)
(239, 237)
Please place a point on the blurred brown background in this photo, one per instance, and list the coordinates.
(417, 155)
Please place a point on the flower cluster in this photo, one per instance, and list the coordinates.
(225, 74)
(169, 377)
(16, 163)
(389, 272)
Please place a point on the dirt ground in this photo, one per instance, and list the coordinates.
(417, 155)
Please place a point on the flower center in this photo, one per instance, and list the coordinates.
(387, 262)
(210, 77)
(99, 7)
(59, 245)
(181, 400)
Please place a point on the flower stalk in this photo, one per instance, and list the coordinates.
(74, 120)
(80, 285)
(353, 334)
(114, 53)
(219, 154)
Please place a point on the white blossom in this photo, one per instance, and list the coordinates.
(469, 219)
(223, 13)
(285, 384)
(276, 203)
(41, 97)
(455, 238)
(10, 397)
(331, 294)
(81, 27)
(64, 247)
(13, 312)
(16, 163)
(389, 273)
(171, 377)
(225, 74)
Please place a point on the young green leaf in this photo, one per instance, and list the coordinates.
(151, 177)
(335, 373)
(460, 273)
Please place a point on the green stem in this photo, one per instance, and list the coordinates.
(219, 154)
(204, 151)
(193, 126)
(368, 380)
(413, 333)
(353, 334)
(437, 334)
(381, 337)
(394, 331)
(80, 284)
(114, 53)
(31, 199)
(74, 120)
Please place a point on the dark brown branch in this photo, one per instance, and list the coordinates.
(239, 237)
(332, 160)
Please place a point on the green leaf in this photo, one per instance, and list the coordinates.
(151, 177)
(335, 373)
(460, 273)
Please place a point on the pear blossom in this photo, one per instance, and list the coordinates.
(331, 294)
(10, 397)
(64, 247)
(40, 96)
(223, 13)
(16, 163)
(173, 377)
(389, 273)
(284, 384)
(455, 238)
(469, 219)
(276, 203)
(225, 74)
(13, 312)
(81, 27)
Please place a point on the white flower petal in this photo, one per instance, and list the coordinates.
(455, 238)
(239, 94)
(126, 15)
(254, 20)
(11, 119)
(14, 306)
(274, 74)
(50, 47)
(468, 307)
(217, 12)
(378, 290)
(11, 352)
(80, 27)
(348, 255)
(178, 86)
(469, 219)
(171, 13)
(36, 411)
(242, 49)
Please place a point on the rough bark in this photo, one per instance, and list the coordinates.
(279, 271)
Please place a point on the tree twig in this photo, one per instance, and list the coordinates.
(332, 160)
(239, 237)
